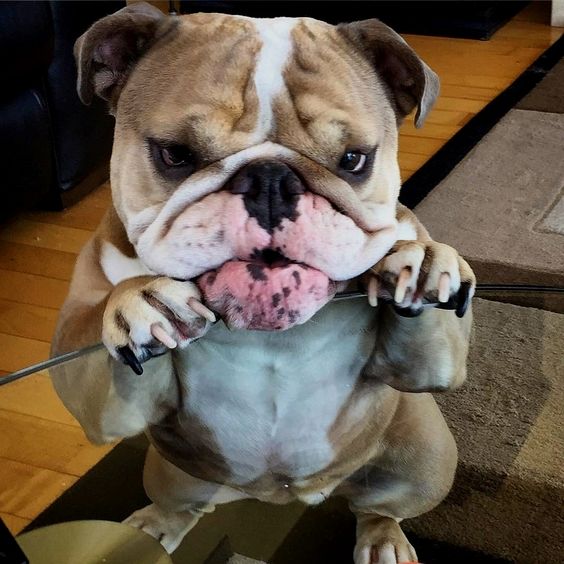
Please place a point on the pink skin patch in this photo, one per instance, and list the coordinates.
(218, 228)
(250, 295)
(330, 241)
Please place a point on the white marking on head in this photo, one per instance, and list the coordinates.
(269, 80)
(118, 267)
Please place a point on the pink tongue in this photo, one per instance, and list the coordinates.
(254, 296)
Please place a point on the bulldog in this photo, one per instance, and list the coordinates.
(254, 175)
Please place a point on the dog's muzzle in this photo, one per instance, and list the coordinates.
(268, 292)
(269, 244)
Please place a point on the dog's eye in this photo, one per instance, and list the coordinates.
(174, 162)
(353, 161)
(176, 156)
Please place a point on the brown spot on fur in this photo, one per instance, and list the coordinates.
(319, 122)
(297, 278)
(425, 268)
(121, 322)
(286, 291)
(200, 456)
(276, 299)
(204, 91)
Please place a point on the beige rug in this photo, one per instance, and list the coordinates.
(548, 96)
(502, 207)
(508, 498)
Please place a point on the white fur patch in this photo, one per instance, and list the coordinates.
(268, 403)
(406, 232)
(117, 267)
(274, 54)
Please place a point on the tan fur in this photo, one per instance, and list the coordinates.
(191, 82)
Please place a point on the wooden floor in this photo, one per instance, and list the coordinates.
(42, 449)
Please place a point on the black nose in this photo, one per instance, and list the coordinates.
(270, 190)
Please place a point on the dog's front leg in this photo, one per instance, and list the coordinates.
(421, 346)
(138, 319)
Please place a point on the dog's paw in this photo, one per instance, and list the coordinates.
(147, 316)
(414, 275)
(167, 527)
(382, 542)
(388, 553)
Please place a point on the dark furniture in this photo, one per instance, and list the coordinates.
(454, 18)
(52, 148)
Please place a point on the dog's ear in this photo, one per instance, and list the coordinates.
(107, 51)
(410, 81)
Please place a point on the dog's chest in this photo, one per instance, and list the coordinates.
(268, 402)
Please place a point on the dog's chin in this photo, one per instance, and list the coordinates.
(272, 295)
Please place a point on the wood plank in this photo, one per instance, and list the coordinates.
(25, 320)
(85, 217)
(492, 66)
(429, 130)
(411, 161)
(27, 490)
(68, 239)
(32, 289)
(480, 80)
(499, 46)
(419, 145)
(459, 104)
(18, 352)
(469, 92)
(15, 524)
(100, 197)
(48, 444)
(36, 397)
(528, 34)
(427, 46)
(537, 12)
(444, 117)
(405, 174)
(36, 260)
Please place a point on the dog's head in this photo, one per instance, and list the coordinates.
(258, 157)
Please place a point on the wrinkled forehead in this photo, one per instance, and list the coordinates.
(227, 82)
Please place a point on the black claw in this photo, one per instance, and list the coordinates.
(451, 304)
(130, 359)
(407, 311)
(463, 298)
